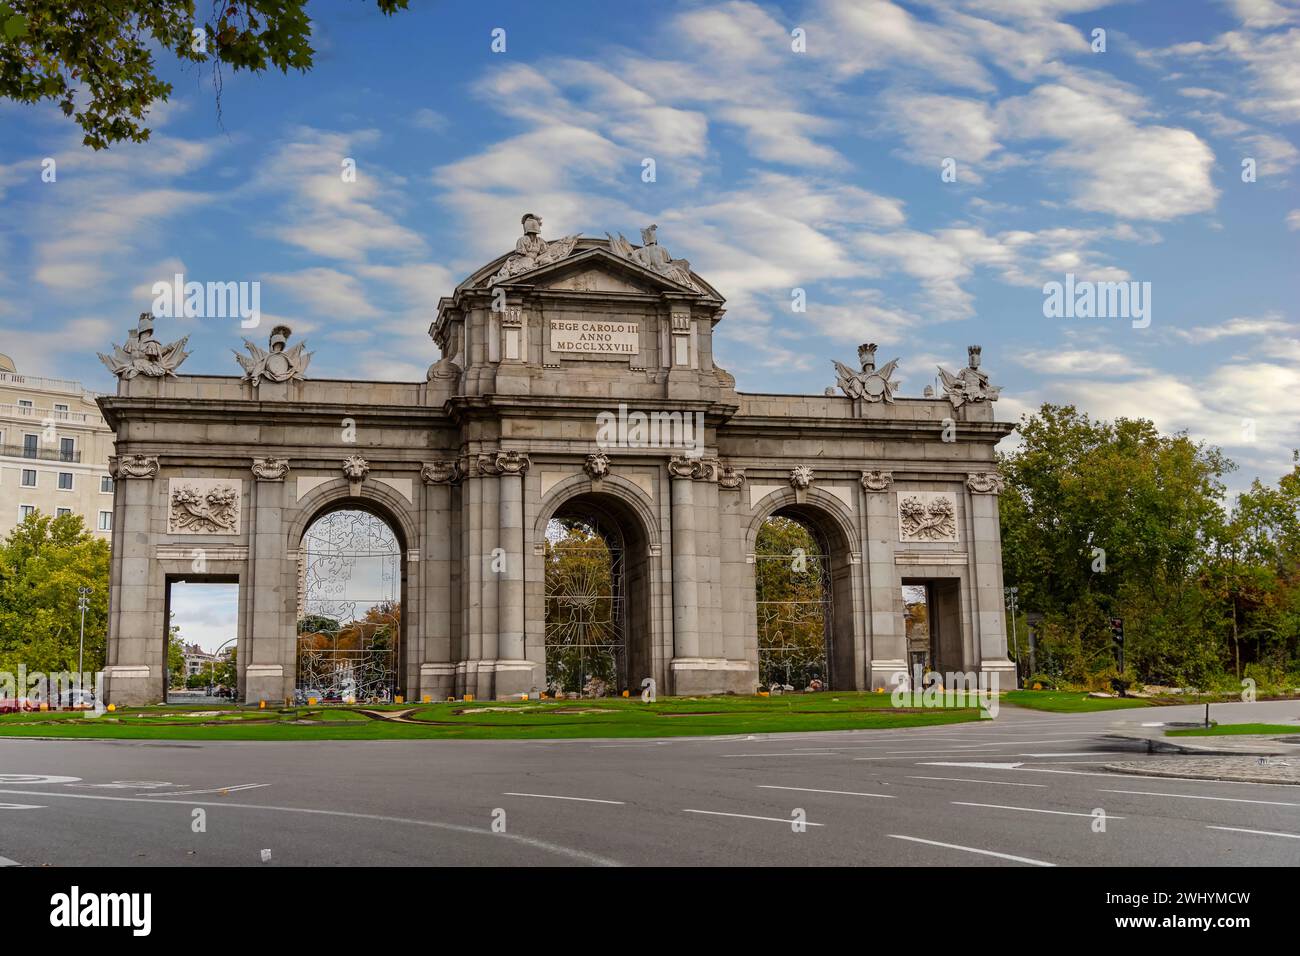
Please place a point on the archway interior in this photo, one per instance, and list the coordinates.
(919, 625)
(586, 612)
(349, 608)
(793, 591)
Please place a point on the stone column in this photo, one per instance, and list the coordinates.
(986, 578)
(514, 672)
(884, 586)
(437, 672)
(686, 603)
(137, 668)
(489, 575)
(271, 650)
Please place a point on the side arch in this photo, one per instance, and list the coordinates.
(336, 495)
(630, 495)
(830, 520)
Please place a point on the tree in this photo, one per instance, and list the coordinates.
(175, 656)
(51, 49)
(1112, 519)
(790, 591)
(42, 564)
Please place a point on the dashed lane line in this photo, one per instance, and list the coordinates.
(749, 816)
(1272, 833)
(1059, 813)
(556, 796)
(971, 849)
(846, 793)
(996, 783)
(1197, 796)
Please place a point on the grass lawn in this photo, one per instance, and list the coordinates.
(1069, 701)
(667, 717)
(1229, 730)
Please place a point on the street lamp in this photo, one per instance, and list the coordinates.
(1011, 595)
(83, 604)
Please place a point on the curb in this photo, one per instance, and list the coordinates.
(1189, 775)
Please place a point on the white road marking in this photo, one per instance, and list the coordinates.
(583, 855)
(976, 766)
(782, 755)
(971, 849)
(846, 793)
(1059, 813)
(1194, 796)
(1081, 753)
(553, 796)
(186, 793)
(5, 861)
(34, 778)
(21, 806)
(747, 816)
(996, 783)
(1289, 836)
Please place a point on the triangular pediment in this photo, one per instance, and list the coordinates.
(594, 269)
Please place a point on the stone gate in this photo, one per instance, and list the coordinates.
(577, 379)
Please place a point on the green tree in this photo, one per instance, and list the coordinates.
(1112, 519)
(175, 656)
(791, 592)
(42, 564)
(54, 49)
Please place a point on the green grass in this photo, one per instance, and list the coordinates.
(1069, 701)
(1229, 730)
(667, 717)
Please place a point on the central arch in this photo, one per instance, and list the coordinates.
(597, 631)
(351, 587)
(804, 595)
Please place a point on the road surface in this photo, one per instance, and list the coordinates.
(1028, 789)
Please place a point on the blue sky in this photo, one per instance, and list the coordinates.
(775, 169)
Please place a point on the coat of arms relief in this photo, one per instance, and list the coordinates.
(927, 516)
(203, 505)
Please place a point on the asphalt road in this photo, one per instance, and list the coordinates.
(1026, 789)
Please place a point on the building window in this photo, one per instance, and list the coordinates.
(65, 481)
(31, 443)
(24, 511)
(24, 403)
(105, 485)
(106, 521)
(66, 449)
(60, 408)
(63, 511)
(29, 477)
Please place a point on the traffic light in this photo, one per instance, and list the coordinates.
(1117, 629)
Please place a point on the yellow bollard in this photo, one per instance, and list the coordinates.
(763, 693)
(468, 697)
(112, 707)
(261, 705)
(399, 699)
(624, 693)
(427, 699)
(311, 701)
(44, 706)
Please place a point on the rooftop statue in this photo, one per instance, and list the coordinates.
(654, 257)
(143, 354)
(532, 251)
(870, 385)
(278, 365)
(970, 385)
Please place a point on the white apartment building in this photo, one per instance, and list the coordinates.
(54, 450)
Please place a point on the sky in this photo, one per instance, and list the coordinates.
(919, 169)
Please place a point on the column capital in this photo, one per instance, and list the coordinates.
(133, 466)
(270, 469)
(441, 472)
(877, 480)
(985, 482)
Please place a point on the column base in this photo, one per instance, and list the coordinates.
(266, 682)
(437, 681)
(703, 676)
(1000, 674)
(518, 677)
(130, 685)
(884, 674)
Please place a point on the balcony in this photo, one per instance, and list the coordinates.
(41, 414)
(39, 454)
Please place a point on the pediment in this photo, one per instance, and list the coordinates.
(594, 269)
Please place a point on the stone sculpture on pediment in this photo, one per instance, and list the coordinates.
(650, 255)
(532, 251)
(145, 355)
(970, 385)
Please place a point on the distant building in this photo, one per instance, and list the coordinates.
(54, 451)
(197, 660)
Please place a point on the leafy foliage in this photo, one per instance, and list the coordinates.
(1112, 519)
(42, 563)
(95, 58)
